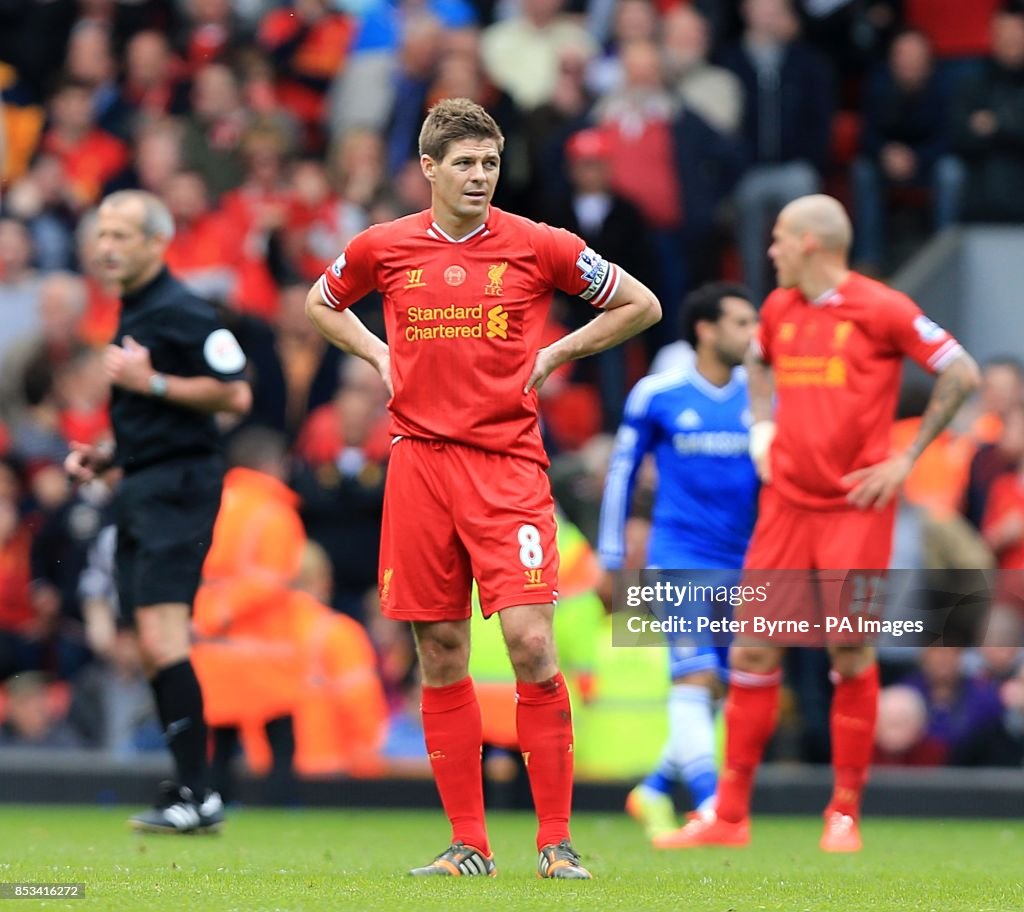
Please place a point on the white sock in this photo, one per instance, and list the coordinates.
(690, 751)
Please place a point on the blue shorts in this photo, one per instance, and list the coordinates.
(696, 651)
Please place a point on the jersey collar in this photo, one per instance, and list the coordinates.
(134, 297)
(436, 232)
(718, 393)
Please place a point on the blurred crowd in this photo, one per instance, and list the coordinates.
(667, 133)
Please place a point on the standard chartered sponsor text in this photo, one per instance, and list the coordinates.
(446, 323)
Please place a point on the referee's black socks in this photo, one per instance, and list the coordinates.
(179, 702)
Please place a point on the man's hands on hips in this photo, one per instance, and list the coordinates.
(382, 361)
(547, 361)
(874, 486)
(129, 366)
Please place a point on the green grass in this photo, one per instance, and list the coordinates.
(354, 860)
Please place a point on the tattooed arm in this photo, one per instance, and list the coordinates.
(875, 486)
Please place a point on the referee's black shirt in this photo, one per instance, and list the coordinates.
(185, 338)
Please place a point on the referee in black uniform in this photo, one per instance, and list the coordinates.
(172, 367)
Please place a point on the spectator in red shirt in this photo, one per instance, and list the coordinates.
(206, 248)
(1003, 525)
(309, 43)
(209, 32)
(319, 222)
(90, 156)
(90, 59)
(153, 75)
(18, 649)
(959, 31)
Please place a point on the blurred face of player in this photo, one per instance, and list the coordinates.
(787, 251)
(734, 330)
(125, 254)
(462, 183)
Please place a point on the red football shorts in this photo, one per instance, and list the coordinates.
(453, 514)
(850, 549)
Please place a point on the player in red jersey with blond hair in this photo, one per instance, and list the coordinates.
(831, 342)
(466, 291)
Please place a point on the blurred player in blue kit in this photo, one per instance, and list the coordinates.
(695, 420)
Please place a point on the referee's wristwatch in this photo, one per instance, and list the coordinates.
(158, 386)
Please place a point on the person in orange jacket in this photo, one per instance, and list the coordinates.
(247, 657)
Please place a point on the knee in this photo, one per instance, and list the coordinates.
(158, 650)
(754, 659)
(443, 661)
(531, 651)
(850, 662)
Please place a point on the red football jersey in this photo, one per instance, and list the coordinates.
(465, 319)
(837, 364)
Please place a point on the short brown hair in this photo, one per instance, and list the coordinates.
(455, 119)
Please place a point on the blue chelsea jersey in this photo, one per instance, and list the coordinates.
(706, 498)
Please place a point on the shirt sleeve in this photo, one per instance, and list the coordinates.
(353, 275)
(918, 337)
(632, 442)
(208, 348)
(575, 268)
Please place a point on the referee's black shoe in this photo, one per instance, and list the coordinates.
(176, 811)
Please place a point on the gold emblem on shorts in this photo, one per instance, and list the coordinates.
(534, 578)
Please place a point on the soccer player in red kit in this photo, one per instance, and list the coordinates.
(831, 342)
(466, 292)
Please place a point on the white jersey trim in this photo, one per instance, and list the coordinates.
(325, 293)
(436, 231)
(948, 353)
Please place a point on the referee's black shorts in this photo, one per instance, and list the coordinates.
(165, 515)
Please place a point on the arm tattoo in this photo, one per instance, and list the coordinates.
(952, 388)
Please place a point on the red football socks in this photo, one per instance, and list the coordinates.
(751, 711)
(854, 710)
(544, 724)
(454, 736)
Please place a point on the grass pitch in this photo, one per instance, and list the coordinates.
(355, 860)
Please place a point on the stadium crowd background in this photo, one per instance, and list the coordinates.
(668, 134)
